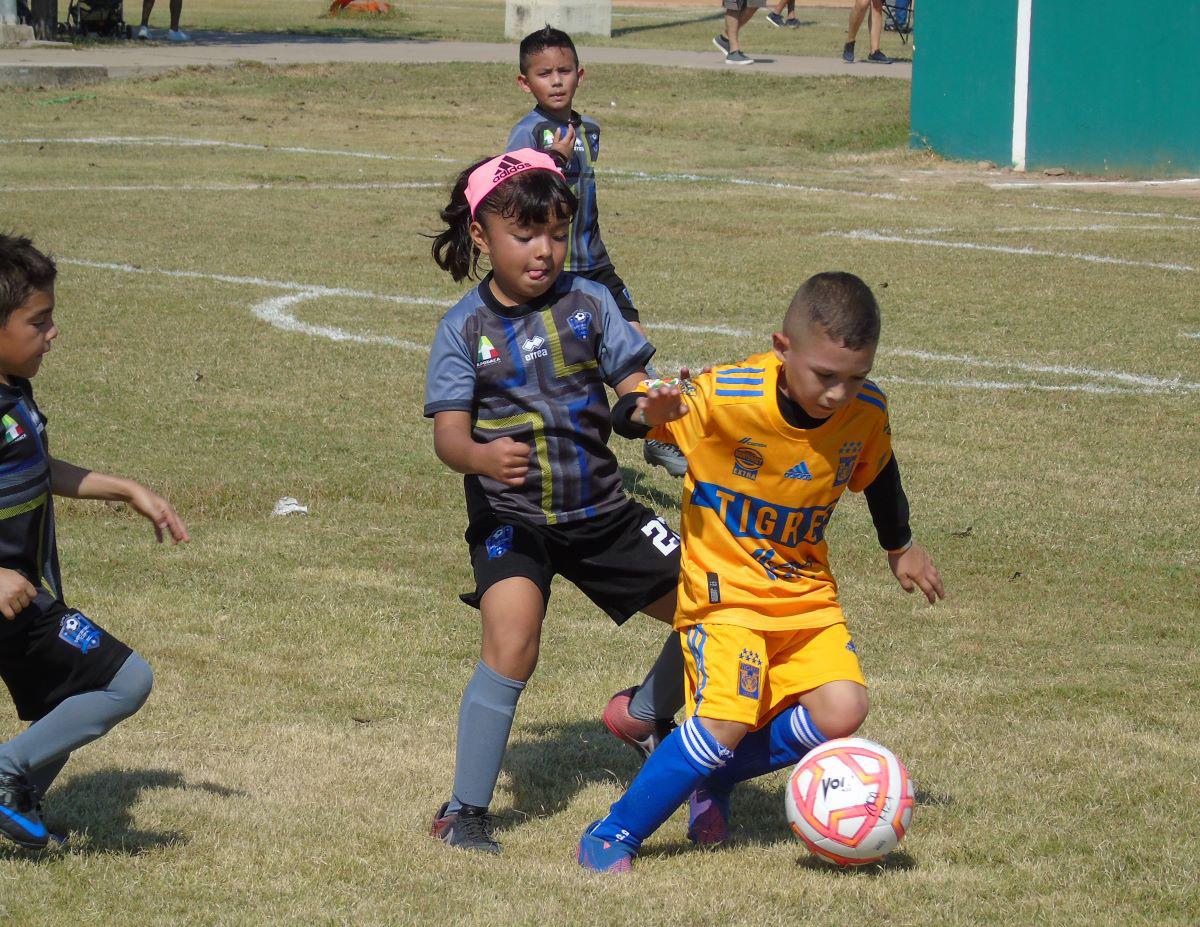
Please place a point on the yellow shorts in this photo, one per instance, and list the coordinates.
(741, 674)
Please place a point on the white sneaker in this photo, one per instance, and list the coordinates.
(144, 33)
(178, 35)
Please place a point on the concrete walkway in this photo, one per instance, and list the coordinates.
(221, 49)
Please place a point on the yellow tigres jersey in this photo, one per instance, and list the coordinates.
(759, 493)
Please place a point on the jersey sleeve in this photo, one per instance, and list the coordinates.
(622, 350)
(687, 432)
(877, 448)
(450, 376)
(530, 133)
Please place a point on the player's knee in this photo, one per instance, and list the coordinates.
(132, 684)
(839, 708)
(514, 657)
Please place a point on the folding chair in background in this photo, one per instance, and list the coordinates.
(898, 17)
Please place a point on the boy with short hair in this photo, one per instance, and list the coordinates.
(550, 71)
(772, 443)
(68, 676)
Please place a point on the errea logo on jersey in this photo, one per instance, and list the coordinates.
(533, 347)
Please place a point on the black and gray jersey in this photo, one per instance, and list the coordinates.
(585, 249)
(27, 542)
(536, 373)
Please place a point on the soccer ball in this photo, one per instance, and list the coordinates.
(850, 801)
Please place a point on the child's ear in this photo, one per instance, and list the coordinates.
(579, 79)
(523, 83)
(475, 230)
(781, 344)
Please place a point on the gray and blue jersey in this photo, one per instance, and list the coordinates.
(585, 250)
(536, 373)
(26, 505)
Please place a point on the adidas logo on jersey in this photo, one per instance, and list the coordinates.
(509, 165)
(799, 472)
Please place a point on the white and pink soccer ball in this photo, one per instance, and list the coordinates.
(850, 800)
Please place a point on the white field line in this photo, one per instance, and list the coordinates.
(170, 141)
(1009, 386)
(217, 187)
(1191, 334)
(868, 235)
(275, 311)
(1141, 381)
(747, 182)
(1116, 184)
(697, 329)
(1104, 212)
(307, 288)
(1099, 227)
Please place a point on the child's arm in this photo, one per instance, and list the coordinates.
(504, 460)
(889, 511)
(662, 402)
(66, 479)
(16, 592)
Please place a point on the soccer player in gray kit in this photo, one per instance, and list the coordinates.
(68, 676)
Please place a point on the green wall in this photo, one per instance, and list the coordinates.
(963, 77)
(1113, 86)
(1124, 95)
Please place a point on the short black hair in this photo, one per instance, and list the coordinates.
(549, 37)
(23, 271)
(841, 304)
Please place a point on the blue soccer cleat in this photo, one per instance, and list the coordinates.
(601, 855)
(708, 817)
(19, 818)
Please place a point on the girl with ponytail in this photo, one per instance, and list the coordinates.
(515, 388)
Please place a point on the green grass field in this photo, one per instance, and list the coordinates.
(688, 27)
(1045, 405)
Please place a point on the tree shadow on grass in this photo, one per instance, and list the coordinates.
(95, 809)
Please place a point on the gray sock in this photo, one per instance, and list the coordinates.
(77, 720)
(43, 777)
(660, 695)
(484, 721)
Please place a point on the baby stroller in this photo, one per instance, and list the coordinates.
(98, 17)
(898, 17)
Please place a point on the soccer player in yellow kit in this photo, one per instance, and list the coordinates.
(772, 442)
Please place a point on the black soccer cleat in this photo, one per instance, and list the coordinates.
(19, 818)
(469, 828)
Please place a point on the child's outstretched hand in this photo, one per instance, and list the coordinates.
(914, 569)
(662, 403)
(158, 510)
(564, 142)
(16, 592)
(505, 460)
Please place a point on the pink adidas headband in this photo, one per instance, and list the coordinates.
(489, 175)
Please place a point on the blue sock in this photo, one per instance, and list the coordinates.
(789, 736)
(685, 759)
